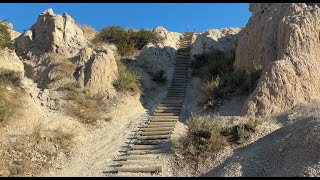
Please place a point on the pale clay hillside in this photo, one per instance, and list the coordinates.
(225, 102)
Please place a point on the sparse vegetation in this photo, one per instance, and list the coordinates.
(207, 135)
(128, 41)
(62, 69)
(203, 138)
(159, 76)
(216, 70)
(10, 95)
(63, 138)
(127, 81)
(33, 154)
(5, 39)
(88, 108)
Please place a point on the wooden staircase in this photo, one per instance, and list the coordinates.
(142, 156)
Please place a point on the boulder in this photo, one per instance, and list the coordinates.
(169, 38)
(215, 39)
(96, 71)
(158, 57)
(283, 39)
(51, 34)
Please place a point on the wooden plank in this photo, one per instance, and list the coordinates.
(148, 129)
(165, 117)
(135, 157)
(170, 104)
(153, 137)
(161, 126)
(140, 152)
(164, 120)
(168, 108)
(130, 162)
(148, 169)
(154, 133)
(173, 101)
(162, 123)
(145, 147)
(150, 142)
(166, 113)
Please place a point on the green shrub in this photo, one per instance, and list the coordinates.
(127, 80)
(210, 86)
(203, 138)
(216, 70)
(159, 76)
(127, 41)
(207, 135)
(5, 39)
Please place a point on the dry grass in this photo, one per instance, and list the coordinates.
(221, 80)
(5, 39)
(88, 31)
(203, 138)
(33, 154)
(62, 69)
(127, 81)
(88, 108)
(10, 100)
(207, 135)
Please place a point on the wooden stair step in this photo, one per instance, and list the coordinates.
(151, 142)
(135, 157)
(145, 147)
(163, 120)
(140, 152)
(169, 124)
(172, 101)
(155, 133)
(148, 129)
(168, 110)
(153, 137)
(160, 126)
(165, 117)
(130, 162)
(166, 113)
(148, 169)
(170, 104)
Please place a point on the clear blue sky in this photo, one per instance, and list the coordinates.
(173, 16)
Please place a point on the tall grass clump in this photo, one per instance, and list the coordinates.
(159, 76)
(5, 39)
(127, 81)
(216, 70)
(209, 134)
(128, 41)
(203, 138)
(88, 108)
(11, 95)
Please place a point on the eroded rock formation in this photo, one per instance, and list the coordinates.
(52, 33)
(284, 40)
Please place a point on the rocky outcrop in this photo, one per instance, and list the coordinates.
(51, 34)
(215, 39)
(158, 57)
(161, 56)
(283, 39)
(13, 34)
(96, 71)
(169, 38)
(10, 61)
